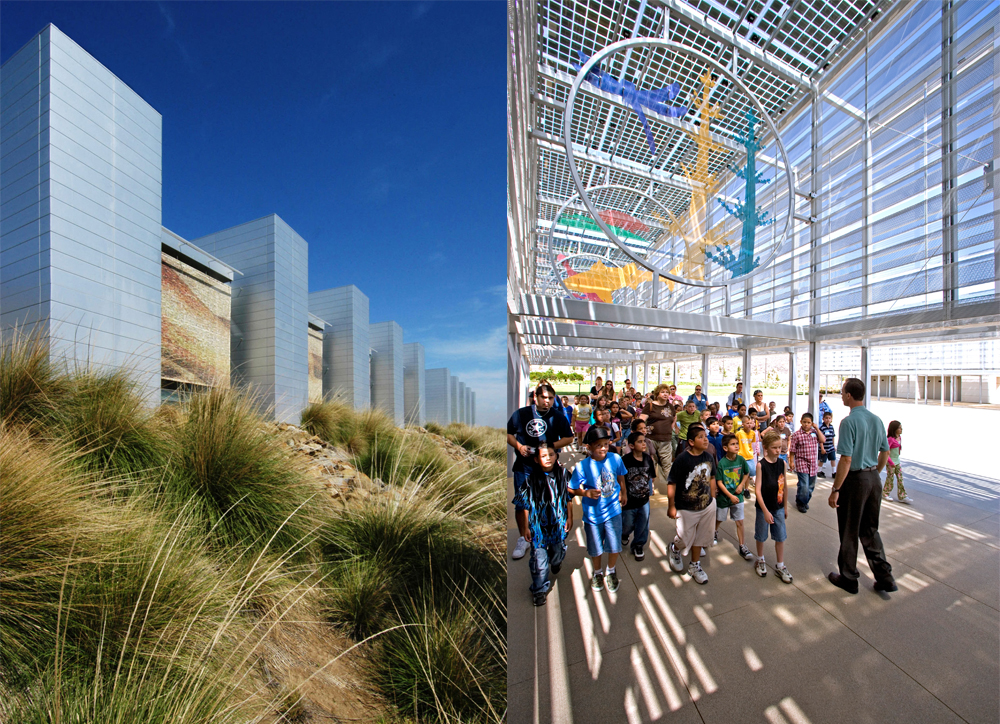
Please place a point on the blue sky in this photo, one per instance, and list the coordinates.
(376, 130)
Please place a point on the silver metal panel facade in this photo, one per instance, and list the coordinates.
(473, 407)
(81, 218)
(414, 384)
(437, 383)
(346, 343)
(461, 402)
(453, 402)
(270, 350)
(387, 369)
(468, 406)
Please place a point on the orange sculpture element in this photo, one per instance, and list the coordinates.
(693, 227)
(604, 280)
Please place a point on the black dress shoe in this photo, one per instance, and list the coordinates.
(555, 568)
(840, 582)
(885, 586)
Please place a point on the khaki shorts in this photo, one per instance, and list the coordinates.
(695, 528)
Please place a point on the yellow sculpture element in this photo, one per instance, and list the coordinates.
(604, 280)
(693, 226)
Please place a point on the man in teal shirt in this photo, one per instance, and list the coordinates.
(857, 491)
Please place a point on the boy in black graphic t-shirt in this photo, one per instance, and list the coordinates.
(639, 486)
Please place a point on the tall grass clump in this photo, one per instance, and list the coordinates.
(451, 666)
(32, 387)
(242, 482)
(340, 424)
(118, 434)
(405, 556)
(487, 442)
(89, 584)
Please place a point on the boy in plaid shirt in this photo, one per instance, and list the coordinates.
(803, 451)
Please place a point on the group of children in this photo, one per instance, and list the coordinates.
(719, 465)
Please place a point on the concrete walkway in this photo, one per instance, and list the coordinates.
(749, 649)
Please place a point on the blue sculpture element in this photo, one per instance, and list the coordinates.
(747, 211)
(654, 99)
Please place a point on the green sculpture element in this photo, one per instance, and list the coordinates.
(746, 211)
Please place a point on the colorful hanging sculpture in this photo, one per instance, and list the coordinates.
(654, 99)
(693, 227)
(602, 281)
(625, 226)
(746, 211)
(571, 272)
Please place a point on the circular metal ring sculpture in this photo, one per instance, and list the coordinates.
(582, 190)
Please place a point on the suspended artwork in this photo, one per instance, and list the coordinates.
(654, 99)
(680, 237)
(747, 211)
(602, 281)
(694, 226)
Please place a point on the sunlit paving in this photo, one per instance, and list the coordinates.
(663, 648)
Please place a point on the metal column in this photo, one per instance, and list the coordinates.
(866, 366)
(949, 163)
(704, 374)
(632, 376)
(645, 377)
(793, 384)
(814, 377)
(673, 379)
(747, 390)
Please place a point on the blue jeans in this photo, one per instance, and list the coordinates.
(541, 560)
(777, 528)
(636, 519)
(604, 537)
(804, 492)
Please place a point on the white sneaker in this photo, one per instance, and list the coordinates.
(761, 568)
(907, 500)
(783, 573)
(520, 549)
(695, 571)
(715, 540)
(674, 559)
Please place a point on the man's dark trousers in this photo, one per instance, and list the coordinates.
(859, 503)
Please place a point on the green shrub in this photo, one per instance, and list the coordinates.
(242, 482)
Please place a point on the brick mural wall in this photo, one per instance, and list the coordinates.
(195, 325)
(315, 365)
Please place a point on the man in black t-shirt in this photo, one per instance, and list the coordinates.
(525, 429)
(639, 486)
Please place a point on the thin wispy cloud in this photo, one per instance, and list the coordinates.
(170, 33)
(488, 346)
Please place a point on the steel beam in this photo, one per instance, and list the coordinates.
(573, 343)
(982, 313)
(583, 332)
(536, 305)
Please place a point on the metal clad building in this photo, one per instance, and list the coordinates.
(81, 213)
(346, 343)
(270, 310)
(387, 369)
(438, 389)
(414, 384)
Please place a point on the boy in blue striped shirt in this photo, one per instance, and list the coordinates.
(829, 450)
